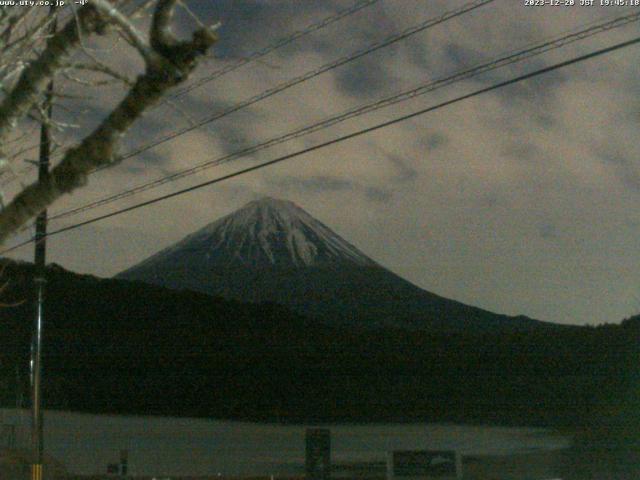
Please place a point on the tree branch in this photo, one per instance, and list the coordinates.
(132, 34)
(170, 65)
(36, 75)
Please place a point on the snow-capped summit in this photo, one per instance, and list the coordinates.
(271, 250)
(274, 232)
(268, 232)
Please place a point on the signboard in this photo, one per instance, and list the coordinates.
(425, 464)
(318, 454)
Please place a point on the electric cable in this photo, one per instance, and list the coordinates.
(342, 138)
(510, 58)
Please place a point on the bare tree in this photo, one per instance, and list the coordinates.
(31, 56)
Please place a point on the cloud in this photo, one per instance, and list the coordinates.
(365, 79)
(433, 141)
(248, 25)
(406, 172)
(522, 151)
(460, 57)
(548, 231)
(521, 201)
(543, 88)
(319, 183)
(378, 194)
(627, 169)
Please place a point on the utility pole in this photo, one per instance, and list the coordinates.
(39, 283)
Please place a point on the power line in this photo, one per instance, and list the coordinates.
(343, 138)
(422, 26)
(517, 56)
(276, 45)
(309, 75)
(282, 42)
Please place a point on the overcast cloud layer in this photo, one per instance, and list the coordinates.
(520, 201)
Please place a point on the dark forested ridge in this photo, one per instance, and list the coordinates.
(124, 347)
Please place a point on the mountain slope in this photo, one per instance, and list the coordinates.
(272, 250)
(114, 346)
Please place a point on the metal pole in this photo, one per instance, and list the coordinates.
(39, 281)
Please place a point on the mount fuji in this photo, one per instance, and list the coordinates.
(271, 250)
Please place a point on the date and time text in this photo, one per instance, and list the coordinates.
(581, 3)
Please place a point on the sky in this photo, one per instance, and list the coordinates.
(519, 201)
